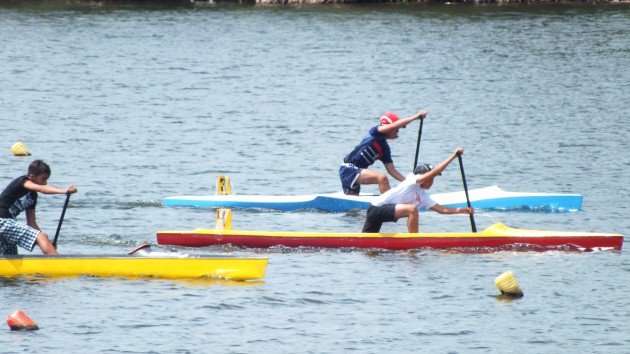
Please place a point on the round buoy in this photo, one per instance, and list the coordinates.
(508, 285)
(18, 149)
(18, 321)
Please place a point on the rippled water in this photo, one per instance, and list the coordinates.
(133, 104)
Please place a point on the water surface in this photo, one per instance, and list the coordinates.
(134, 103)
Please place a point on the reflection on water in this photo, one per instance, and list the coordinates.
(203, 282)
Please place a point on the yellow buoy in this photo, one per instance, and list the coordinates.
(507, 284)
(18, 149)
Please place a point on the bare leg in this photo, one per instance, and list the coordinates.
(44, 243)
(373, 177)
(411, 213)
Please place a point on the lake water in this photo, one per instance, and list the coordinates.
(136, 103)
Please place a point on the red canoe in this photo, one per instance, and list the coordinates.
(497, 236)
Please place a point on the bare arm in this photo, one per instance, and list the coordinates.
(42, 239)
(401, 123)
(444, 210)
(30, 219)
(48, 189)
(394, 172)
(439, 168)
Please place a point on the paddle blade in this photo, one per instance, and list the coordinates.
(18, 321)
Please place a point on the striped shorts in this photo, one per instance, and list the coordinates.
(13, 234)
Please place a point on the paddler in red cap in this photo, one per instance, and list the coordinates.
(354, 170)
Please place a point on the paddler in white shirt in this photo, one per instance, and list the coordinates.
(410, 196)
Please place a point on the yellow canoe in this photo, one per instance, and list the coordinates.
(148, 264)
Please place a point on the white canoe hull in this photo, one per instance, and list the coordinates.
(491, 197)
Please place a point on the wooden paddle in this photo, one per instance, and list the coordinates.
(415, 162)
(461, 167)
(63, 213)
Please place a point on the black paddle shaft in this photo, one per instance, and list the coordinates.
(415, 162)
(461, 167)
(63, 213)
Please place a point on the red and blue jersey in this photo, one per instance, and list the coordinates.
(373, 147)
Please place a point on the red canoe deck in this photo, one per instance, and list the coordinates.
(497, 236)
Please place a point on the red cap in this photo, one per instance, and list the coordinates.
(388, 118)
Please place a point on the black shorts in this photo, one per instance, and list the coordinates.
(377, 215)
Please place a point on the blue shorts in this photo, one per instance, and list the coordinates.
(13, 234)
(349, 174)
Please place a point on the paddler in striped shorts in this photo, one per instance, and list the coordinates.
(354, 170)
(21, 195)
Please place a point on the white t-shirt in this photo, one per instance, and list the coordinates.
(407, 192)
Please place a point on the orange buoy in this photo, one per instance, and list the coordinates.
(18, 321)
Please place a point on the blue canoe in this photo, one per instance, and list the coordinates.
(491, 197)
